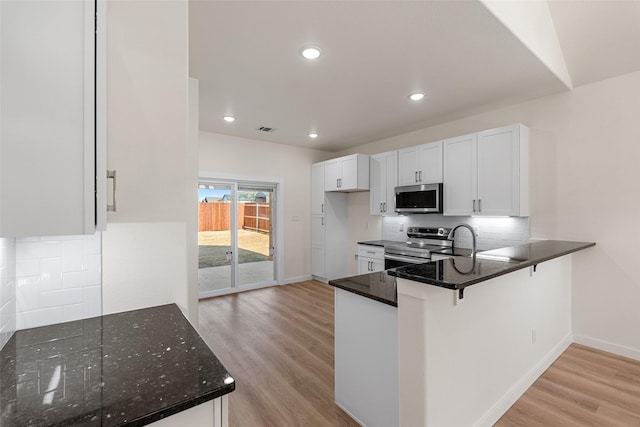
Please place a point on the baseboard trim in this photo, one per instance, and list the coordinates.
(620, 350)
(519, 388)
(295, 280)
(350, 414)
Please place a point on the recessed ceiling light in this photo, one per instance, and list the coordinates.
(311, 52)
(229, 119)
(416, 96)
(313, 135)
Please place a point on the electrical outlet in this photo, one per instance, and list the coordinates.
(401, 227)
(534, 336)
(476, 230)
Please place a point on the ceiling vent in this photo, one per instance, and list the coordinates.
(266, 129)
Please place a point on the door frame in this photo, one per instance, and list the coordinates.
(277, 219)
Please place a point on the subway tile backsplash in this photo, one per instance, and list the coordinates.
(57, 279)
(492, 232)
(7, 289)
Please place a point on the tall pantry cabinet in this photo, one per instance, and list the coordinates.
(52, 127)
(329, 233)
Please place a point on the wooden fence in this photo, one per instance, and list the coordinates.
(216, 216)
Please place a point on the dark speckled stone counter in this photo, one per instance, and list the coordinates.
(379, 242)
(124, 369)
(378, 286)
(460, 272)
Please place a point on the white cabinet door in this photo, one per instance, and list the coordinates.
(48, 133)
(430, 171)
(317, 189)
(487, 173)
(332, 174)
(369, 265)
(460, 175)
(499, 163)
(390, 183)
(348, 173)
(383, 173)
(318, 246)
(377, 182)
(408, 165)
(370, 259)
(421, 164)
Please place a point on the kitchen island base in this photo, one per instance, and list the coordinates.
(214, 413)
(466, 363)
(366, 359)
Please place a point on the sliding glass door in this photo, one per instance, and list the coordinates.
(235, 236)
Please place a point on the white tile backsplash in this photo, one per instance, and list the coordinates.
(57, 279)
(7, 289)
(73, 255)
(492, 232)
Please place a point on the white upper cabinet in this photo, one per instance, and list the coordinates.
(487, 173)
(383, 173)
(52, 151)
(349, 173)
(317, 189)
(421, 164)
(460, 185)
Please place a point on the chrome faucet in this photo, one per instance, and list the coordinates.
(473, 237)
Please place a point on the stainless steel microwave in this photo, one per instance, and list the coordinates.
(419, 199)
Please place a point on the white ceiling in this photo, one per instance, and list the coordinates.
(246, 56)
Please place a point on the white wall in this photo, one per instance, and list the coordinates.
(7, 289)
(223, 156)
(145, 257)
(584, 151)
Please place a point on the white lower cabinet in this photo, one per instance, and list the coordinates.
(370, 259)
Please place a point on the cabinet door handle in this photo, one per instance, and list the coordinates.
(112, 175)
(479, 205)
(416, 176)
(370, 265)
(420, 176)
(384, 206)
(322, 208)
(474, 205)
(322, 221)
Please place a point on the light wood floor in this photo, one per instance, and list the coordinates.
(278, 344)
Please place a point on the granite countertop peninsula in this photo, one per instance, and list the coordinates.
(123, 369)
(460, 272)
(378, 286)
(381, 243)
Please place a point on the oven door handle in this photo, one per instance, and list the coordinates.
(411, 260)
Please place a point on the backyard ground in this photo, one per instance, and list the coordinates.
(249, 240)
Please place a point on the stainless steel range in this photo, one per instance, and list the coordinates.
(421, 242)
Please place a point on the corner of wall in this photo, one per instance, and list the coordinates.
(7, 290)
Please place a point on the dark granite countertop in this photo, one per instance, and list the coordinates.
(381, 243)
(460, 272)
(378, 286)
(124, 369)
